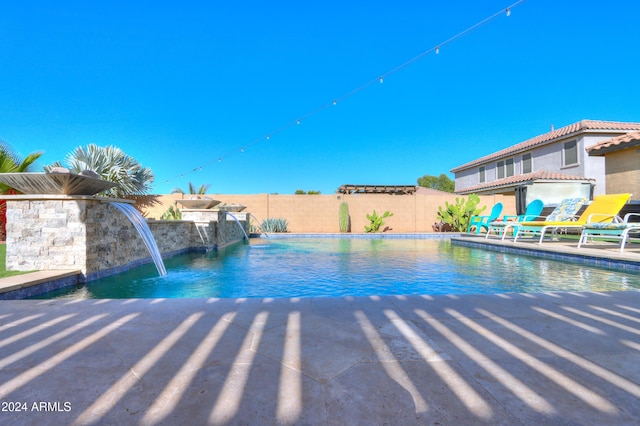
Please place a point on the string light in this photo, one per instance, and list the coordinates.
(380, 79)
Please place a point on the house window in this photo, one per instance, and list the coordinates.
(509, 165)
(570, 154)
(482, 177)
(526, 163)
(500, 169)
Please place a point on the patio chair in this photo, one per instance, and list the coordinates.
(617, 229)
(604, 208)
(531, 213)
(483, 221)
(566, 210)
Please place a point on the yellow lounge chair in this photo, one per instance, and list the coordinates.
(604, 208)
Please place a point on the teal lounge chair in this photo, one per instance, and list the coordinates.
(618, 229)
(532, 213)
(483, 221)
(566, 210)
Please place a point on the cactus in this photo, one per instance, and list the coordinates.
(458, 215)
(376, 222)
(343, 217)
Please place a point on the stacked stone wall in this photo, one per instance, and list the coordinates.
(91, 235)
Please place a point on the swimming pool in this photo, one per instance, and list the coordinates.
(315, 267)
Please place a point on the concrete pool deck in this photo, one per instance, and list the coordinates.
(544, 358)
(550, 358)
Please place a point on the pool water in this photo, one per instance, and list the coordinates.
(314, 267)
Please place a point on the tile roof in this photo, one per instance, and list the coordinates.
(519, 179)
(614, 144)
(563, 132)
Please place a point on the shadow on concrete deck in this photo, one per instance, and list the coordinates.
(552, 358)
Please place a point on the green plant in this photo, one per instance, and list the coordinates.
(343, 217)
(441, 183)
(193, 190)
(274, 224)
(458, 215)
(172, 213)
(11, 162)
(112, 164)
(376, 222)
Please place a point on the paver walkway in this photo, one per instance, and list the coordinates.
(557, 358)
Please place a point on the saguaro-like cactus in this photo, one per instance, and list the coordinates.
(343, 217)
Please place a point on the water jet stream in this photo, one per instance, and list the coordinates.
(141, 226)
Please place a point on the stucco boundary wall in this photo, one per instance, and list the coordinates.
(319, 213)
(91, 235)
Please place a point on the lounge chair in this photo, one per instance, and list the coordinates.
(531, 213)
(483, 221)
(604, 208)
(617, 229)
(566, 210)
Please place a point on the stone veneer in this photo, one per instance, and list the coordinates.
(88, 233)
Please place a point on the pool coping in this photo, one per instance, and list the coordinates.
(599, 256)
(32, 283)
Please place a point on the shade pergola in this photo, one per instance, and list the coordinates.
(377, 189)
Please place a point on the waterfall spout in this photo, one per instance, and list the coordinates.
(141, 226)
(239, 224)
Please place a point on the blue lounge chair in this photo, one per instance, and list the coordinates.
(483, 221)
(566, 210)
(532, 213)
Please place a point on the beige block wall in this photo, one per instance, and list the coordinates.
(622, 172)
(319, 213)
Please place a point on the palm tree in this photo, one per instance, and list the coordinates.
(192, 189)
(112, 164)
(10, 162)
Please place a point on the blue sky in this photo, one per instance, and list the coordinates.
(179, 86)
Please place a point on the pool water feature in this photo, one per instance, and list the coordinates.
(336, 267)
(141, 226)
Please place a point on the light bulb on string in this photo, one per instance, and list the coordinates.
(436, 50)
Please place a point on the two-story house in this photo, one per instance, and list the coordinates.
(551, 166)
